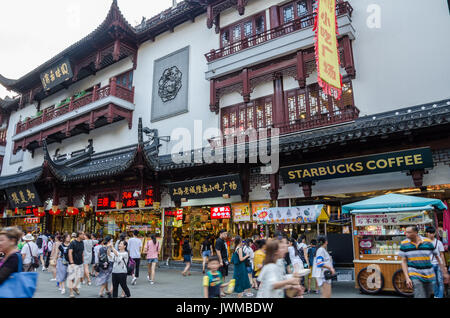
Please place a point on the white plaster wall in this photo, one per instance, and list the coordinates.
(200, 41)
(405, 62)
(102, 137)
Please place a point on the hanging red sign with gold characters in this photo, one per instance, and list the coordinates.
(326, 47)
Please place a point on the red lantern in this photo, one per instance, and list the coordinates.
(75, 211)
(38, 213)
(57, 212)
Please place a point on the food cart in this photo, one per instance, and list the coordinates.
(378, 228)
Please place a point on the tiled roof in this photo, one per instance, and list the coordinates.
(18, 179)
(9, 102)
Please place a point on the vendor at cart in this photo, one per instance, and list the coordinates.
(416, 253)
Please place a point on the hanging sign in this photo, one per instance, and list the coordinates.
(206, 188)
(413, 159)
(223, 212)
(391, 219)
(241, 212)
(32, 220)
(326, 48)
(23, 196)
(258, 206)
(57, 74)
(287, 215)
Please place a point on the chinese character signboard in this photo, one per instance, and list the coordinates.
(286, 215)
(327, 54)
(222, 212)
(206, 188)
(23, 196)
(32, 220)
(414, 159)
(57, 74)
(241, 212)
(108, 201)
(178, 214)
(259, 206)
(390, 219)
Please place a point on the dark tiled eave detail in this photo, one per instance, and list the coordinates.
(18, 179)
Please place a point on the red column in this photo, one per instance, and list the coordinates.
(274, 186)
(213, 102)
(246, 85)
(301, 72)
(113, 83)
(94, 93)
(278, 100)
(209, 19)
(349, 63)
(116, 52)
(274, 17)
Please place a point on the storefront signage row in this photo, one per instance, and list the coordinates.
(206, 188)
(57, 74)
(23, 196)
(413, 159)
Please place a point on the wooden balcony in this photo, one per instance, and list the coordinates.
(307, 21)
(325, 119)
(100, 107)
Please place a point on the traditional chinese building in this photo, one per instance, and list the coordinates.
(98, 134)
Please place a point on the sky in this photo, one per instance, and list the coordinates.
(32, 32)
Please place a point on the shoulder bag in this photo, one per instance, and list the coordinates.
(19, 284)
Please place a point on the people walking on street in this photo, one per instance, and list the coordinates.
(134, 248)
(240, 273)
(294, 256)
(119, 272)
(311, 253)
(62, 262)
(206, 250)
(438, 283)
(152, 249)
(322, 264)
(50, 243)
(272, 276)
(104, 267)
(87, 258)
(303, 249)
(249, 263)
(187, 256)
(9, 238)
(53, 255)
(416, 253)
(30, 252)
(258, 260)
(75, 269)
(222, 252)
(213, 281)
(41, 243)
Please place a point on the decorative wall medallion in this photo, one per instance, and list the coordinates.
(170, 84)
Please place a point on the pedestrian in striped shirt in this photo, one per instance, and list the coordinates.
(416, 252)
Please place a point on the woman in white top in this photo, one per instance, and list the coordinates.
(294, 256)
(272, 277)
(303, 248)
(322, 263)
(119, 272)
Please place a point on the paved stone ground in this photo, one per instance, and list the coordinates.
(169, 283)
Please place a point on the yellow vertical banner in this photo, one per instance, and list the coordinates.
(326, 47)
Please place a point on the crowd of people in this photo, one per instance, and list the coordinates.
(275, 267)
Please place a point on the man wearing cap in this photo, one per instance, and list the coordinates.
(29, 250)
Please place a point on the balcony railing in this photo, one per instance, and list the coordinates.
(240, 135)
(113, 89)
(346, 114)
(290, 27)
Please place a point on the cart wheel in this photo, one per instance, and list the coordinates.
(363, 276)
(399, 283)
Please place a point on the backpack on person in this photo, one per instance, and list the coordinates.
(103, 258)
(131, 265)
(39, 242)
(34, 259)
(301, 253)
